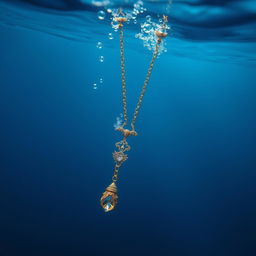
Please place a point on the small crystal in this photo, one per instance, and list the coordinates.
(108, 203)
(119, 158)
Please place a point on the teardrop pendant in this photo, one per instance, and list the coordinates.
(108, 200)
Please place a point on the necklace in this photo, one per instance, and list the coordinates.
(109, 198)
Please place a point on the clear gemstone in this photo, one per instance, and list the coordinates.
(107, 207)
(108, 203)
(119, 158)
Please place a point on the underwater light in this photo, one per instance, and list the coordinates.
(109, 198)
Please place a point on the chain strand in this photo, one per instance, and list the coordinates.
(124, 100)
(115, 175)
(121, 33)
(144, 88)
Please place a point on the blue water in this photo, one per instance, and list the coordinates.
(189, 185)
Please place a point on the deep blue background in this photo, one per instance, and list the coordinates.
(189, 185)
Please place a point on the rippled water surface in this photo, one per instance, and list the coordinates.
(213, 30)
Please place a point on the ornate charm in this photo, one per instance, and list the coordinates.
(119, 157)
(109, 198)
(123, 145)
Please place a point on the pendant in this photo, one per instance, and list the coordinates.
(108, 200)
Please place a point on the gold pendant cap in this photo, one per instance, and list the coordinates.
(112, 188)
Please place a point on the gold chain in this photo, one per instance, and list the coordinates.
(109, 198)
(121, 34)
(144, 88)
(115, 175)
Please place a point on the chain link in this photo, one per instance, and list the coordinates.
(115, 175)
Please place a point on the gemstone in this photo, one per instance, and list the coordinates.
(108, 203)
(119, 158)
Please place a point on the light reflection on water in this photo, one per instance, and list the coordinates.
(210, 30)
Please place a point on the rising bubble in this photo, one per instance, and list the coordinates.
(101, 58)
(99, 45)
(110, 36)
(101, 15)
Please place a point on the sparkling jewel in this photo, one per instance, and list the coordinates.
(119, 158)
(108, 203)
(109, 198)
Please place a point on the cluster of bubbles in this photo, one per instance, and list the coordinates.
(95, 85)
(147, 33)
(101, 58)
(131, 16)
(99, 46)
(110, 36)
(101, 15)
(119, 121)
(148, 36)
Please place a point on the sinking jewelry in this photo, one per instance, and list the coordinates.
(109, 198)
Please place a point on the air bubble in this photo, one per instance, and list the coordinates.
(101, 80)
(114, 24)
(99, 45)
(148, 36)
(101, 58)
(148, 18)
(119, 121)
(128, 16)
(110, 36)
(94, 86)
(101, 15)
